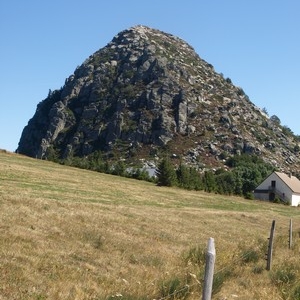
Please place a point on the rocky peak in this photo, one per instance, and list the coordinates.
(147, 91)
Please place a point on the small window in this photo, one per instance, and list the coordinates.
(273, 183)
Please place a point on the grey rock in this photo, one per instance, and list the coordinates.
(147, 91)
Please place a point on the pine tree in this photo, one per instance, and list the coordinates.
(195, 180)
(183, 176)
(209, 181)
(166, 175)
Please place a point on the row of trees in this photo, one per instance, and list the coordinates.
(245, 173)
(96, 162)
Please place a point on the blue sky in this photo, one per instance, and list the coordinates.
(254, 43)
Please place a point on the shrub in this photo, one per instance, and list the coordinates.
(258, 269)
(277, 200)
(174, 289)
(250, 255)
(296, 293)
(249, 196)
(284, 276)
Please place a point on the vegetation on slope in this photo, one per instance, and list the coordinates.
(68, 233)
(243, 174)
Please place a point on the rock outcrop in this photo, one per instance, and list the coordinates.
(147, 91)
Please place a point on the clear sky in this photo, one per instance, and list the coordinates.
(255, 43)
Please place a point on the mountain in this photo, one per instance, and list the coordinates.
(147, 93)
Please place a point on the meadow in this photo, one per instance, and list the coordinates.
(67, 233)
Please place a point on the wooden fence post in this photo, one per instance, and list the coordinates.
(291, 234)
(270, 247)
(209, 270)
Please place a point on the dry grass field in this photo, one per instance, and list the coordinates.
(74, 234)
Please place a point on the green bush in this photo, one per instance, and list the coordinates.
(284, 276)
(277, 200)
(249, 196)
(258, 269)
(296, 292)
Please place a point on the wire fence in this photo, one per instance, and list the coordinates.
(199, 284)
(227, 268)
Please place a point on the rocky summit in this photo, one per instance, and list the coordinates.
(147, 93)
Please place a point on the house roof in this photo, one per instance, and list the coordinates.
(291, 181)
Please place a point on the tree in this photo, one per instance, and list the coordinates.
(52, 154)
(183, 176)
(195, 180)
(119, 168)
(248, 171)
(287, 130)
(275, 120)
(140, 174)
(225, 183)
(209, 183)
(265, 111)
(166, 175)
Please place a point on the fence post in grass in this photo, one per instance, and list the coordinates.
(291, 234)
(209, 269)
(270, 247)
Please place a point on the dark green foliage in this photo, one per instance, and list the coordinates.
(140, 174)
(285, 275)
(248, 172)
(265, 111)
(183, 176)
(244, 159)
(97, 163)
(188, 178)
(276, 199)
(209, 182)
(228, 80)
(195, 180)
(166, 175)
(52, 154)
(258, 269)
(119, 169)
(249, 196)
(78, 162)
(225, 183)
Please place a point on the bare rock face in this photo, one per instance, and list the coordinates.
(147, 91)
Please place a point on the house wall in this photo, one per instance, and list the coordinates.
(261, 195)
(295, 200)
(263, 190)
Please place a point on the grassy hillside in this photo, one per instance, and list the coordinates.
(67, 233)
